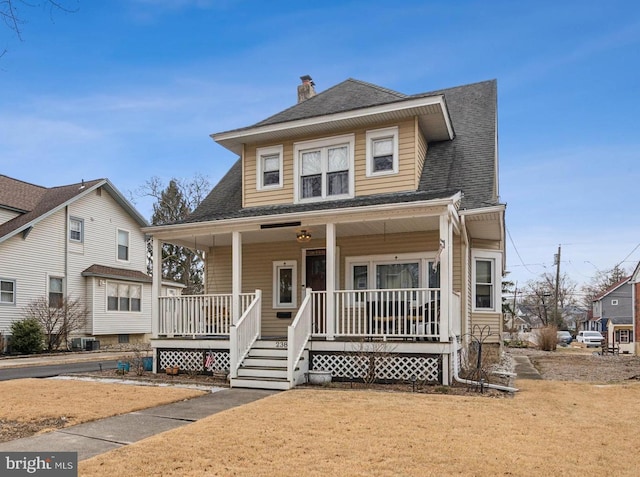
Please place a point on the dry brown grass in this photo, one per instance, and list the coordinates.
(38, 400)
(552, 428)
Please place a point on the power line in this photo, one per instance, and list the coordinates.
(631, 253)
(518, 253)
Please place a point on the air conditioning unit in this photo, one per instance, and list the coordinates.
(84, 344)
(76, 344)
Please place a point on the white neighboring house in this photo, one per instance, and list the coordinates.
(79, 241)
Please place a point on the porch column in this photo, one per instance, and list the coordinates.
(446, 275)
(331, 280)
(236, 274)
(156, 250)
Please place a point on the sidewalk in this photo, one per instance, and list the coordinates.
(524, 368)
(60, 358)
(93, 438)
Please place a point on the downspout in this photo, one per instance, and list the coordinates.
(468, 381)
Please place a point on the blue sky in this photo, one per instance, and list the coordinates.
(130, 89)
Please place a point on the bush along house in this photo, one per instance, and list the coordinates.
(359, 234)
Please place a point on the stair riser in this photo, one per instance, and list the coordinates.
(270, 363)
(262, 373)
(247, 383)
(280, 353)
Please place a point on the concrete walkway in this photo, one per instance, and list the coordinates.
(524, 368)
(93, 438)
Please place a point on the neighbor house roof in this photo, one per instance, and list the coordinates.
(467, 163)
(35, 203)
(103, 271)
(611, 288)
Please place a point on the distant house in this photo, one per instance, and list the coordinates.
(81, 241)
(635, 293)
(358, 220)
(613, 315)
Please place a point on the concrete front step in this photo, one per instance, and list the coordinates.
(271, 352)
(265, 361)
(260, 383)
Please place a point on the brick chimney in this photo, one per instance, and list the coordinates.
(306, 90)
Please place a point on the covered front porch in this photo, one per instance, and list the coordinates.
(321, 282)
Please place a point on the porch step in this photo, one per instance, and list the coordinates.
(260, 383)
(262, 372)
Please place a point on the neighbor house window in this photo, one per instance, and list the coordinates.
(123, 245)
(624, 336)
(269, 167)
(614, 302)
(284, 284)
(324, 169)
(56, 292)
(486, 281)
(7, 292)
(382, 151)
(76, 229)
(124, 297)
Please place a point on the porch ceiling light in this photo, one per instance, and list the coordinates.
(303, 236)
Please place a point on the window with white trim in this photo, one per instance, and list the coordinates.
(124, 297)
(486, 280)
(123, 245)
(284, 284)
(382, 151)
(397, 271)
(614, 302)
(56, 292)
(624, 336)
(324, 169)
(269, 167)
(7, 292)
(76, 229)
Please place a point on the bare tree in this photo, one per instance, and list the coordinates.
(58, 320)
(601, 282)
(11, 13)
(539, 296)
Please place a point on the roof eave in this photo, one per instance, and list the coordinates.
(425, 108)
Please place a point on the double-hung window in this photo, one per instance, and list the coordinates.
(56, 292)
(7, 292)
(76, 229)
(382, 151)
(269, 167)
(124, 297)
(123, 245)
(486, 281)
(324, 169)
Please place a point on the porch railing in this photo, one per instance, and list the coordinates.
(198, 315)
(400, 313)
(298, 334)
(244, 333)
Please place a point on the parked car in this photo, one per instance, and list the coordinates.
(590, 338)
(564, 337)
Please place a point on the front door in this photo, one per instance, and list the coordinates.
(316, 279)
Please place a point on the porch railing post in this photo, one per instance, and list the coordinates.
(236, 286)
(156, 287)
(446, 278)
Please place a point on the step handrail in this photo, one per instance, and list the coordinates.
(298, 334)
(244, 334)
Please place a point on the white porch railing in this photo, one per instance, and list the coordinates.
(198, 315)
(399, 313)
(244, 333)
(298, 333)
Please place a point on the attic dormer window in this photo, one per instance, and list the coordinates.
(269, 167)
(382, 151)
(324, 169)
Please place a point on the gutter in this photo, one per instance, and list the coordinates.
(468, 381)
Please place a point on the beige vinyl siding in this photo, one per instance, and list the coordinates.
(408, 149)
(457, 264)
(485, 244)
(421, 152)
(6, 215)
(494, 323)
(257, 269)
(29, 262)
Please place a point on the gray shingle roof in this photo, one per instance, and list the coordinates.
(467, 163)
(103, 271)
(19, 195)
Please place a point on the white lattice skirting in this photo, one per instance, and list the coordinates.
(393, 368)
(195, 360)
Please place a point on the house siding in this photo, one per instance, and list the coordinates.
(421, 152)
(257, 271)
(30, 262)
(46, 251)
(411, 150)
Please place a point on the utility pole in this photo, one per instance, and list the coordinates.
(557, 264)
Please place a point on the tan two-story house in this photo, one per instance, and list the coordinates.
(359, 234)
